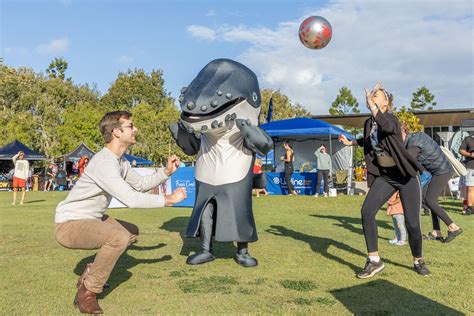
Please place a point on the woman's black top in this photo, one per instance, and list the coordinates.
(390, 141)
(289, 165)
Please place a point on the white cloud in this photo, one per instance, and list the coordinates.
(202, 32)
(211, 13)
(404, 46)
(125, 60)
(16, 51)
(54, 46)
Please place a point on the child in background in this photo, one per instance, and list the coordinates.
(395, 209)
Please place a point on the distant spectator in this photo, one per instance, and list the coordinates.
(395, 209)
(83, 162)
(22, 167)
(289, 158)
(324, 166)
(467, 150)
(259, 178)
(134, 163)
(50, 176)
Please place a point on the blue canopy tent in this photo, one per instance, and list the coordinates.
(8, 151)
(140, 161)
(303, 127)
(306, 135)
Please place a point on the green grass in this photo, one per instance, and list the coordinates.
(308, 250)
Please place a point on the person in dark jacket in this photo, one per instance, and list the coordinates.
(429, 154)
(390, 168)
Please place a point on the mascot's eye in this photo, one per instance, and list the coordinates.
(254, 97)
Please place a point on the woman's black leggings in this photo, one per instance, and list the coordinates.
(288, 173)
(381, 190)
(433, 191)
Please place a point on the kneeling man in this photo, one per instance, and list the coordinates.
(80, 219)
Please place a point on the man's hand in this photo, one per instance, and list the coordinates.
(172, 165)
(343, 139)
(177, 196)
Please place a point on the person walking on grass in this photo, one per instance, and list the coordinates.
(431, 157)
(391, 167)
(324, 166)
(22, 168)
(80, 220)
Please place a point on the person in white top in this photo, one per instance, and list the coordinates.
(81, 222)
(22, 167)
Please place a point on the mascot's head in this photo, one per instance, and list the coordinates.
(224, 90)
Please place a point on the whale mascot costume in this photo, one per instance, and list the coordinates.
(219, 123)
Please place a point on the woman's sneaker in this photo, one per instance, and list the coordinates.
(421, 268)
(371, 268)
(393, 241)
(452, 235)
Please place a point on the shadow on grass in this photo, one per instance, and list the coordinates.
(321, 245)
(34, 201)
(225, 250)
(120, 273)
(382, 297)
(352, 223)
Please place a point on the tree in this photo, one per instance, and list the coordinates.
(345, 103)
(282, 106)
(411, 121)
(422, 99)
(154, 140)
(81, 124)
(32, 107)
(57, 69)
(135, 87)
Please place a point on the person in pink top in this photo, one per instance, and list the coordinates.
(395, 209)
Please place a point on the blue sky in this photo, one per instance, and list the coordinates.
(405, 44)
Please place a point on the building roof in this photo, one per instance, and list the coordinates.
(451, 117)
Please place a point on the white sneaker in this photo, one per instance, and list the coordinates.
(393, 241)
(400, 243)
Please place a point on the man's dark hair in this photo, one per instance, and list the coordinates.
(110, 121)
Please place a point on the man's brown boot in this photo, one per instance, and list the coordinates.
(86, 301)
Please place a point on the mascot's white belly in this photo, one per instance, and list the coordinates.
(222, 158)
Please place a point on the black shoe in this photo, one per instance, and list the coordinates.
(467, 212)
(200, 257)
(452, 235)
(421, 268)
(430, 236)
(245, 260)
(425, 213)
(371, 268)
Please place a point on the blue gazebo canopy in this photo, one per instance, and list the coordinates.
(140, 161)
(303, 127)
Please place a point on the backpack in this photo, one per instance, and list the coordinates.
(459, 169)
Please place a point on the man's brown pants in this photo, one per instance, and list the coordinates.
(110, 235)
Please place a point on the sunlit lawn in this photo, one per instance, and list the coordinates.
(308, 250)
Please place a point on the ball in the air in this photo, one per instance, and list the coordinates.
(315, 32)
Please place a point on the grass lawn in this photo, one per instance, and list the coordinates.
(308, 250)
